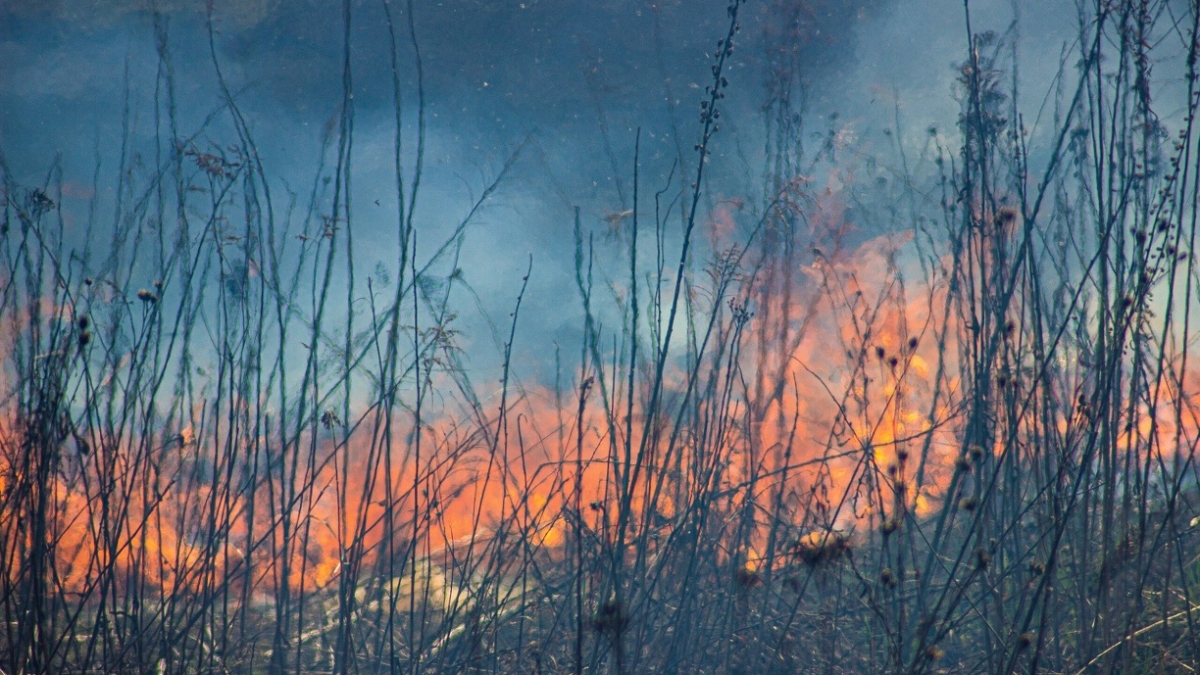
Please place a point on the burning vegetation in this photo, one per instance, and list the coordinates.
(965, 446)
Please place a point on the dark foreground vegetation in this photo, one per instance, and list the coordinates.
(780, 446)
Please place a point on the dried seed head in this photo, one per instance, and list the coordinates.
(967, 503)
(820, 546)
(887, 578)
(147, 296)
(610, 618)
(746, 578)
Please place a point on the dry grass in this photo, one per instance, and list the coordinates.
(967, 447)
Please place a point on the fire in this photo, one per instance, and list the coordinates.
(828, 408)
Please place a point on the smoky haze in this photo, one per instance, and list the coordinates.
(568, 84)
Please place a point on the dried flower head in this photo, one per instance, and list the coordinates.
(330, 419)
(610, 618)
(820, 546)
(887, 578)
(746, 578)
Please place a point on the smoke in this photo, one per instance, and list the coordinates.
(567, 83)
